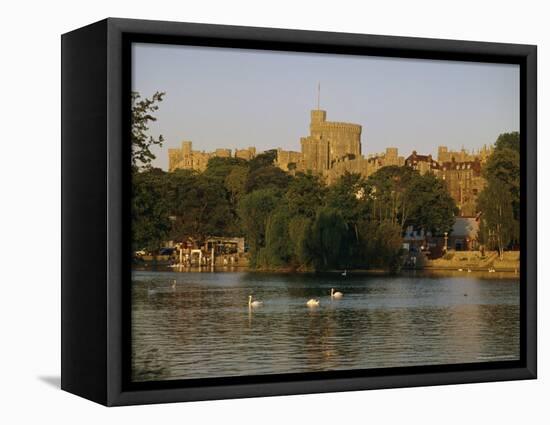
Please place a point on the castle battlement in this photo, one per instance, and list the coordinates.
(187, 159)
(342, 126)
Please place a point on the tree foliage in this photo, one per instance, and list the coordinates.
(254, 210)
(329, 239)
(266, 177)
(498, 226)
(304, 195)
(149, 213)
(499, 202)
(142, 115)
(291, 221)
(504, 166)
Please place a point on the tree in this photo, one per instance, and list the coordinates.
(264, 159)
(220, 168)
(235, 184)
(329, 240)
(501, 196)
(498, 226)
(390, 194)
(149, 213)
(305, 195)
(199, 206)
(299, 232)
(349, 195)
(384, 245)
(402, 196)
(508, 141)
(278, 250)
(266, 177)
(141, 117)
(430, 207)
(504, 165)
(254, 210)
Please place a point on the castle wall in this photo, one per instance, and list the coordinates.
(284, 158)
(246, 154)
(464, 183)
(186, 158)
(357, 166)
(463, 155)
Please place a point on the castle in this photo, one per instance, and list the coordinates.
(187, 159)
(333, 148)
(461, 171)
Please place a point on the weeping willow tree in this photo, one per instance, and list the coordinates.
(329, 239)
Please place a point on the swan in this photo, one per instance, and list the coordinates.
(345, 273)
(313, 303)
(335, 294)
(469, 270)
(492, 270)
(174, 284)
(255, 303)
(459, 270)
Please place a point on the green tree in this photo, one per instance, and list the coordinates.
(278, 251)
(402, 196)
(220, 168)
(149, 213)
(390, 194)
(430, 207)
(499, 202)
(142, 115)
(383, 243)
(254, 210)
(266, 177)
(264, 159)
(235, 184)
(199, 206)
(508, 141)
(498, 227)
(299, 232)
(349, 194)
(329, 240)
(504, 165)
(305, 195)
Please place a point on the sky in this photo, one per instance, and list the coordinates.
(235, 98)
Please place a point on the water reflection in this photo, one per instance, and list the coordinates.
(191, 325)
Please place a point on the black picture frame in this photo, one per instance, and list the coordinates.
(95, 210)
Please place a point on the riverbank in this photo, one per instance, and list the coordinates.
(475, 261)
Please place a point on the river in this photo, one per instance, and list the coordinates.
(198, 325)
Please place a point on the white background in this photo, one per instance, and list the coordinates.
(30, 211)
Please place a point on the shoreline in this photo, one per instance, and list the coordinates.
(376, 272)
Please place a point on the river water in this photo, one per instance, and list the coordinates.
(198, 325)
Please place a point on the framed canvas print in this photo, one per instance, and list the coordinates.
(254, 212)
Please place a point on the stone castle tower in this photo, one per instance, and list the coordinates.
(329, 143)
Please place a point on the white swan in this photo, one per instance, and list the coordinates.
(459, 270)
(174, 284)
(345, 273)
(469, 270)
(335, 294)
(255, 303)
(313, 303)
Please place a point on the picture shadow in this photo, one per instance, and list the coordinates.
(54, 381)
